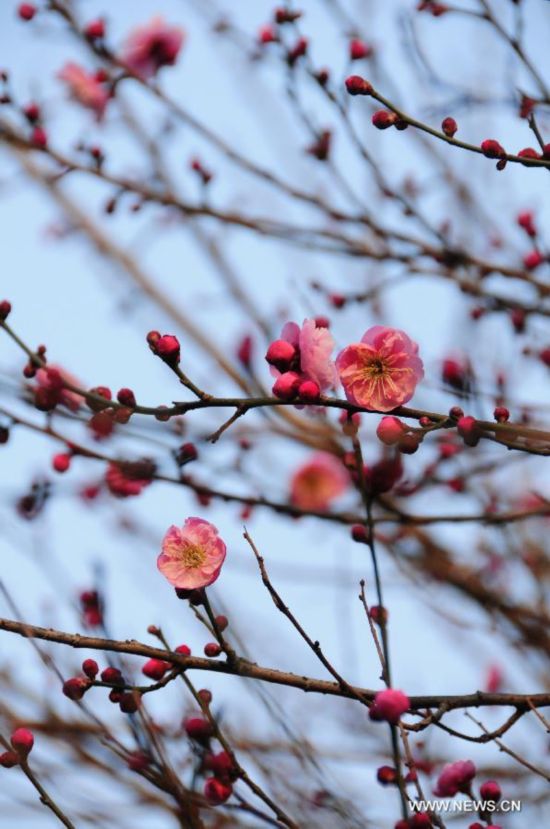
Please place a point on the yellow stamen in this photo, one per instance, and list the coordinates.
(193, 556)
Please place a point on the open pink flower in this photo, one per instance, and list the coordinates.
(313, 346)
(382, 371)
(318, 481)
(85, 88)
(151, 46)
(192, 555)
(455, 777)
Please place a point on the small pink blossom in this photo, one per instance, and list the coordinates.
(85, 88)
(318, 481)
(313, 345)
(382, 371)
(151, 46)
(51, 381)
(192, 555)
(455, 777)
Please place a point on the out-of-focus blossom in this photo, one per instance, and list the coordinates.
(318, 481)
(455, 777)
(85, 88)
(152, 46)
(50, 386)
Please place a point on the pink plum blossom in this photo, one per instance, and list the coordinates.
(314, 345)
(318, 481)
(85, 88)
(455, 777)
(151, 46)
(380, 372)
(192, 555)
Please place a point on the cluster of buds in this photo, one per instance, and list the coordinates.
(220, 769)
(75, 687)
(126, 479)
(22, 741)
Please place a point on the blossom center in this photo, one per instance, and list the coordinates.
(193, 556)
(376, 369)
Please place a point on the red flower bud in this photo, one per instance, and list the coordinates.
(223, 767)
(155, 668)
(532, 260)
(205, 696)
(359, 533)
(356, 85)
(61, 462)
(186, 453)
(492, 149)
(244, 351)
(99, 391)
(386, 775)
(280, 354)
(217, 792)
(5, 309)
(185, 650)
(126, 397)
(198, 729)
(390, 430)
(39, 137)
(76, 687)
(528, 152)
(383, 118)
(526, 221)
(212, 649)
(95, 30)
(267, 34)
(501, 414)
(222, 622)
(90, 668)
(309, 391)
(167, 347)
(469, 431)
(286, 386)
(378, 614)
(112, 676)
(9, 759)
(129, 702)
(490, 790)
(26, 11)
(358, 49)
(22, 741)
(449, 126)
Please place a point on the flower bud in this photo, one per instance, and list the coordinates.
(280, 354)
(22, 741)
(356, 85)
(76, 687)
(90, 668)
(286, 386)
(155, 668)
(217, 792)
(390, 430)
(449, 126)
